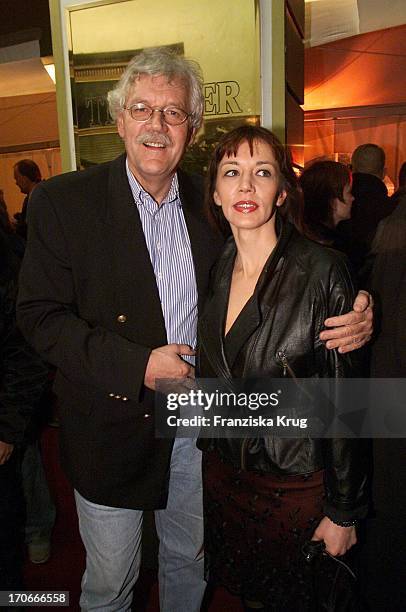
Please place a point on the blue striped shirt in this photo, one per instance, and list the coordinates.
(169, 248)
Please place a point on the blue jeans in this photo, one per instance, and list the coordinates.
(112, 538)
(40, 509)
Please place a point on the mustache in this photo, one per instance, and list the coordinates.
(152, 136)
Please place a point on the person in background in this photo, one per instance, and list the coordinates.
(401, 190)
(39, 508)
(116, 268)
(22, 380)
(15, 242)
(27, 175)
(383, 556)
(371, 201)
(326, 187)
(4, 218)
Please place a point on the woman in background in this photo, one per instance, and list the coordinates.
(326, 187)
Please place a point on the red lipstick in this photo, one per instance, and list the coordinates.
(245, 206)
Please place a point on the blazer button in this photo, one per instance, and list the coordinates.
(111, 394)
(117, 396)
(121, 318)
(125, 399)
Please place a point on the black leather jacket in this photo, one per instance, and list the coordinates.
(277, 333)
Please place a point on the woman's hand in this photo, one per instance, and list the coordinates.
(337, 539)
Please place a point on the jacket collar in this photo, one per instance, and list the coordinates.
(212, 325)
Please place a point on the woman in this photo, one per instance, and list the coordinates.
(326, 187)
(272, 289)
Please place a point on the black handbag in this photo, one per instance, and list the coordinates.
(332, 584)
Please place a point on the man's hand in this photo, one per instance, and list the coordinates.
(337, 539)
(5, 452)
(165, 362)
(352, 330)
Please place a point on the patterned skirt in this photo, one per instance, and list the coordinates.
(255, 526)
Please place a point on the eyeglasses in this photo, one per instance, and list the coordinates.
(172, 115)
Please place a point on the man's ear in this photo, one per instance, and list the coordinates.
(281, 198)
(216, 199)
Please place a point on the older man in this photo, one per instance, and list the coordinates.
(116, 268)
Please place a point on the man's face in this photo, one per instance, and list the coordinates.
(21, 181)
(154, 149)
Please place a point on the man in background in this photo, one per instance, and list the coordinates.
(22, 380)
(27, 175)
(371, 202)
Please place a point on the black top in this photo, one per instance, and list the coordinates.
(371, 205)
(23, 376)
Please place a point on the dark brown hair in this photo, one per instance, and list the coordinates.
(228, 145)
(29, 168)
(321, 182)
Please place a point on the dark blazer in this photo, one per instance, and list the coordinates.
(90, 305)
(371, 205)
(388, 282)
(276, 335)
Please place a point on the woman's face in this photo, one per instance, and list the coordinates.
(342, 208)
(247, 186)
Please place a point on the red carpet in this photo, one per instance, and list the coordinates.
(64, 569)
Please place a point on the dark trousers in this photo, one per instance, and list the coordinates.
(11, 525)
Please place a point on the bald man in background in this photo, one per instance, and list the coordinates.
(371, 201)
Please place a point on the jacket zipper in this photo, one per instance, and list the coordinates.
(281, 357)
(287, 369)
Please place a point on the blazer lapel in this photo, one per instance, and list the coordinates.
(135, 291)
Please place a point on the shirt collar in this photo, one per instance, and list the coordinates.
(141, 196)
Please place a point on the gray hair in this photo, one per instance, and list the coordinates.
(161, 61)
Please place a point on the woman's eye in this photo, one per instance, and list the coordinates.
(231, 172)
(264, 172)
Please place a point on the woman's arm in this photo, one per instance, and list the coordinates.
(346, 460)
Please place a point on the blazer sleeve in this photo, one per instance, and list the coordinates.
(347, 461)
(47, 312)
